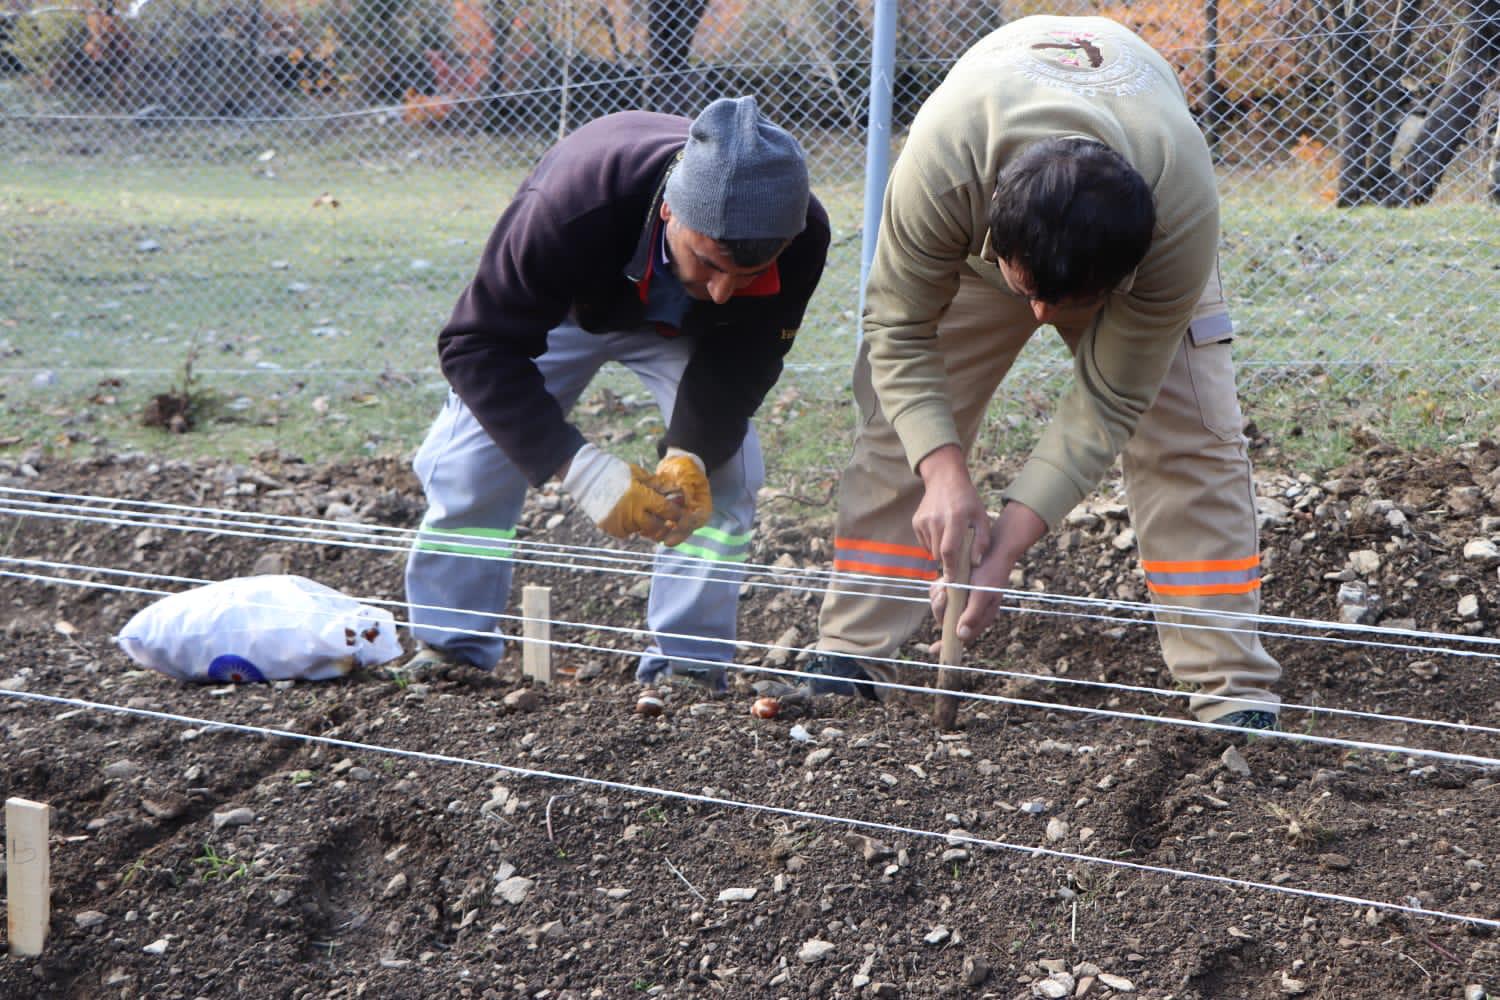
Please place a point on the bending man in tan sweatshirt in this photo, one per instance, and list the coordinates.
(1055, 177)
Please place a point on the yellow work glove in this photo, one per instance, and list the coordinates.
(683, 477)
(622, 499)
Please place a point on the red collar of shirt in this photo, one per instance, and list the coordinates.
(768, 282)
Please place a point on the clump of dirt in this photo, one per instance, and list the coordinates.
(171, 411)
(369, 837)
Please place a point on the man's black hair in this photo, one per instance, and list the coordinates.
(1074, 214)
(752, 253)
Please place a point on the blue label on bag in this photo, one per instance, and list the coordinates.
(233, 669)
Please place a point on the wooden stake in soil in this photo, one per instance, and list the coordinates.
(536, 648)
(945, 706)
(28, 876)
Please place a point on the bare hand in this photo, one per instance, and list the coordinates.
(950, 507)
(1016, 529)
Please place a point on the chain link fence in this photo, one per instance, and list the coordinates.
(296, 189)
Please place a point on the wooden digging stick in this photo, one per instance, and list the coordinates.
(945, 706)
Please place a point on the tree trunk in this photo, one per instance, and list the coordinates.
(1370, 98)
(1457, 105)
(671, 25)
(1495, 164)
(1213, 93)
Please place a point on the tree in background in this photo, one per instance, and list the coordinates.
(1374, 94)
(1455, 110)
(670, 27)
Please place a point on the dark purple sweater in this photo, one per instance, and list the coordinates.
(575, 240)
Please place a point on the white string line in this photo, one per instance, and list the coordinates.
(1458, 758)
(738, 576)
(714, 800)
(344, 528)
(739, 644)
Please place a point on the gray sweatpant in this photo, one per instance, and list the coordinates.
(459, 571)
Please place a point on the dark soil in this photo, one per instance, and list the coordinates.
(357, 872)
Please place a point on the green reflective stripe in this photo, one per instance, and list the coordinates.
(717, 545)
(689, 549)
(723, 537)
(430, 544)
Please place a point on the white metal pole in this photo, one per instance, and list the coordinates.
(878, 137)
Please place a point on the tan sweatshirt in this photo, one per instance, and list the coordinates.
(1036, 78)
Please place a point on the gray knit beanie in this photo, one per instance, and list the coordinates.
(740, 177)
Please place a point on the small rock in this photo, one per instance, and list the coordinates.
(885, 991)
(233, 817)
(815, 951)
(148, 246)
(737, 895)
(395, 887)
(1365, 562)
(1057, 829)
(1468, 607)
(515, 889)
(120, 769)
(1050, 989)
(975, 971)
(170, 809)
(157, 947)
(1335, 862)
(1474, 992)
(817, 757)
(522, 700)
(937, 935)
(1117, 983)
(89, 918)
(1234, 762)
(1482, 550)
(1292, 987)
(270, 564)
(873, 850)
(785, 644)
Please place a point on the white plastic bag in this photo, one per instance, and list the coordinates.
(259, 628)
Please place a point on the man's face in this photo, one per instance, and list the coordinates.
(1069, 312)
(700, 263)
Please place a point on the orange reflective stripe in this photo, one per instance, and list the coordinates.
(874, 569)
(1199, 565)
(885, 548)
(1202, 590)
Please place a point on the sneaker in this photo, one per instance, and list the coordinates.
(1250, 718)
(712, 679)
(840, 675)
(655, 670)
(426, 663)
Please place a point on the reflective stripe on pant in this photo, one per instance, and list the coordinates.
(1188, 485)
(458, 575)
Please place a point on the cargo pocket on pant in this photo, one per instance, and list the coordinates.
(1211, 368)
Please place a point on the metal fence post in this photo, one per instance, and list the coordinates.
(877, 139)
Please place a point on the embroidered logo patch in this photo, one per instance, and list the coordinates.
(1084, 62)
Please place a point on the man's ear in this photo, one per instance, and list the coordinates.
(666, 211)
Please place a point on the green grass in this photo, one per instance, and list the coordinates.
(304, 326)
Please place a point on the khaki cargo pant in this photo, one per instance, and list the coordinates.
(1187, 480)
